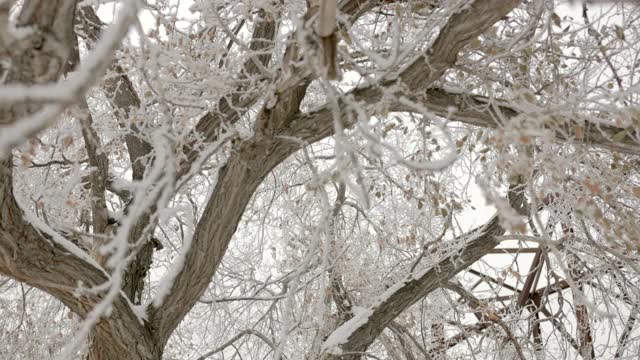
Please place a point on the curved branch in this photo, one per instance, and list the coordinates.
(358, 333)
(28, 256)
(272, 144)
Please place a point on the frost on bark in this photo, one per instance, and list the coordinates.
(194, 144)
(28, 255)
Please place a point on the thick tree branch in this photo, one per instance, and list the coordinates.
(237, 181)
(97, 158)
(474, 109)
(227, 112)
(122, 95)
(28, 256)
(40, 57)
(272, 144)
(53, 264)
(362, 331)
(494, 113)
(463, 26)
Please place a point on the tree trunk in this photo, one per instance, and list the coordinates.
(128, 340)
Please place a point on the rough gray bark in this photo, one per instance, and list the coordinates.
(41, 56)
(417, 286)
(25, 253)
(243, 173)
(29, 257)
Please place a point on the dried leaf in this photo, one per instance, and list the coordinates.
(346, 37)
(619, 136)
(556, 19)
(619, 32)
(25, 159)
(67, 141)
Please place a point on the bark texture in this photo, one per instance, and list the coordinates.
(29, 256)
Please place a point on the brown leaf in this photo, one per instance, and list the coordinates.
(593, 187)
(579, 132)
(67, 141)
(491, 315)
(619, 32)
(25, 159)
(556, 20)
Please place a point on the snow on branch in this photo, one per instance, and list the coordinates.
(65, 92)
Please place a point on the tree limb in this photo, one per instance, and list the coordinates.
(256, 157)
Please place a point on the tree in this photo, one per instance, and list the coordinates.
(301, 179)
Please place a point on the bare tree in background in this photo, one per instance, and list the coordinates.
(190, 179)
